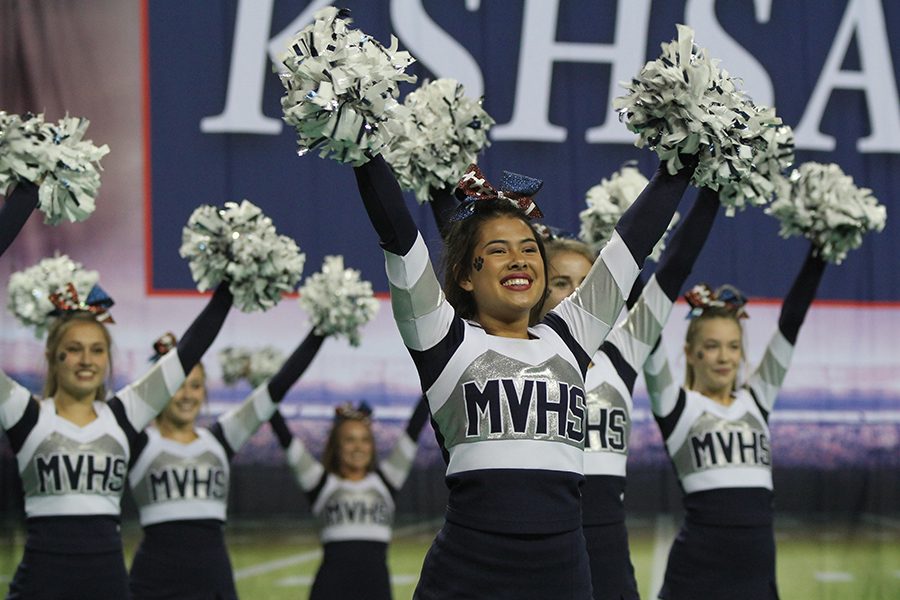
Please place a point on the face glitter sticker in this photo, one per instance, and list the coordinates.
(478, 263)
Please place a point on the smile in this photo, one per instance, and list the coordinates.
(516, 283)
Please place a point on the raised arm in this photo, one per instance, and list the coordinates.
(395, 469)
(630, 343)
(19, 411)
(142, 400)
(769, 375)
(236, 426)
(309, 472)
(15, 210)
(422, 313)
(591, 310)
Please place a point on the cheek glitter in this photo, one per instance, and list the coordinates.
(478, 264)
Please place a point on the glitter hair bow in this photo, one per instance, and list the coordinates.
(519, 190)
(97, 303)
(701, 297)
(162, 345)
(348, 411)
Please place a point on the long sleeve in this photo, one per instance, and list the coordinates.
(661, 385)
(15, 210)
(769, 375)
(800, 296)
(294, 366)
(645, 221)
(395, 469)
(681, 253)
(307, 470)
(142, 400)
(203, 331)
(240, 423)
(384, 203)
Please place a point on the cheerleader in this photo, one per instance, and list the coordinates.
(610, 387)
(352, 496)
(180, 482)
(717, 435)
(507, 399)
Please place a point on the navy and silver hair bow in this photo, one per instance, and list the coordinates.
(517, 189)
(348, 411)
(162, 345)
(97, 303)
(701, 297)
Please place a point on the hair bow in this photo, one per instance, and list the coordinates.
(348, 411)
(549, 233)
(162, 345)
(97, 303)
(517, 189)
(701, 297)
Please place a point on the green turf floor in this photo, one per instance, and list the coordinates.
(824, 559)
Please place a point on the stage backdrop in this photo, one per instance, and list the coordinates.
(186, 96)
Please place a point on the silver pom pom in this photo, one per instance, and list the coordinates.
(341, 89)
(338, 302)
(256, 366)
(684, 104)
(607, 201)
(56, 156)
(443, 133)
(239, 243)
(822, 204)
(29, 291)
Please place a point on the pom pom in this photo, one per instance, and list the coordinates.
(29, 291)
(338, 302)
(442, 134)
(683, 104)
(607, 201)
(822, 204)
(256, 366)
(58, 158)
(238, 243)
(341, 89)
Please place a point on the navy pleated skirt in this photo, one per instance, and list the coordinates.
(184, 560)
(612, 574)
(352, 570)
(51, 576)
(722, 562)
(467, 563)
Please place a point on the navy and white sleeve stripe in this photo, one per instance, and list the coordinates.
(19, 411)
(395, 469)
(661, 385)
(240, 423)
(636, 336)
(595, 304)
(142, 400)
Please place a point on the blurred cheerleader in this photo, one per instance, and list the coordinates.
(180, 482)
(74, 446)
(717, 435)
(610, 386)
(352, 495)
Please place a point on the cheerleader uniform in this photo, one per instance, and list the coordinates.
(509, 413)
(181, 491)
(73, 476)
(610, 387)
(355, 517)
(726, 545)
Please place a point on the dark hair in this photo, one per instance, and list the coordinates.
(709, 313)
(459, 250)
(331, 457)
(57, 330)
